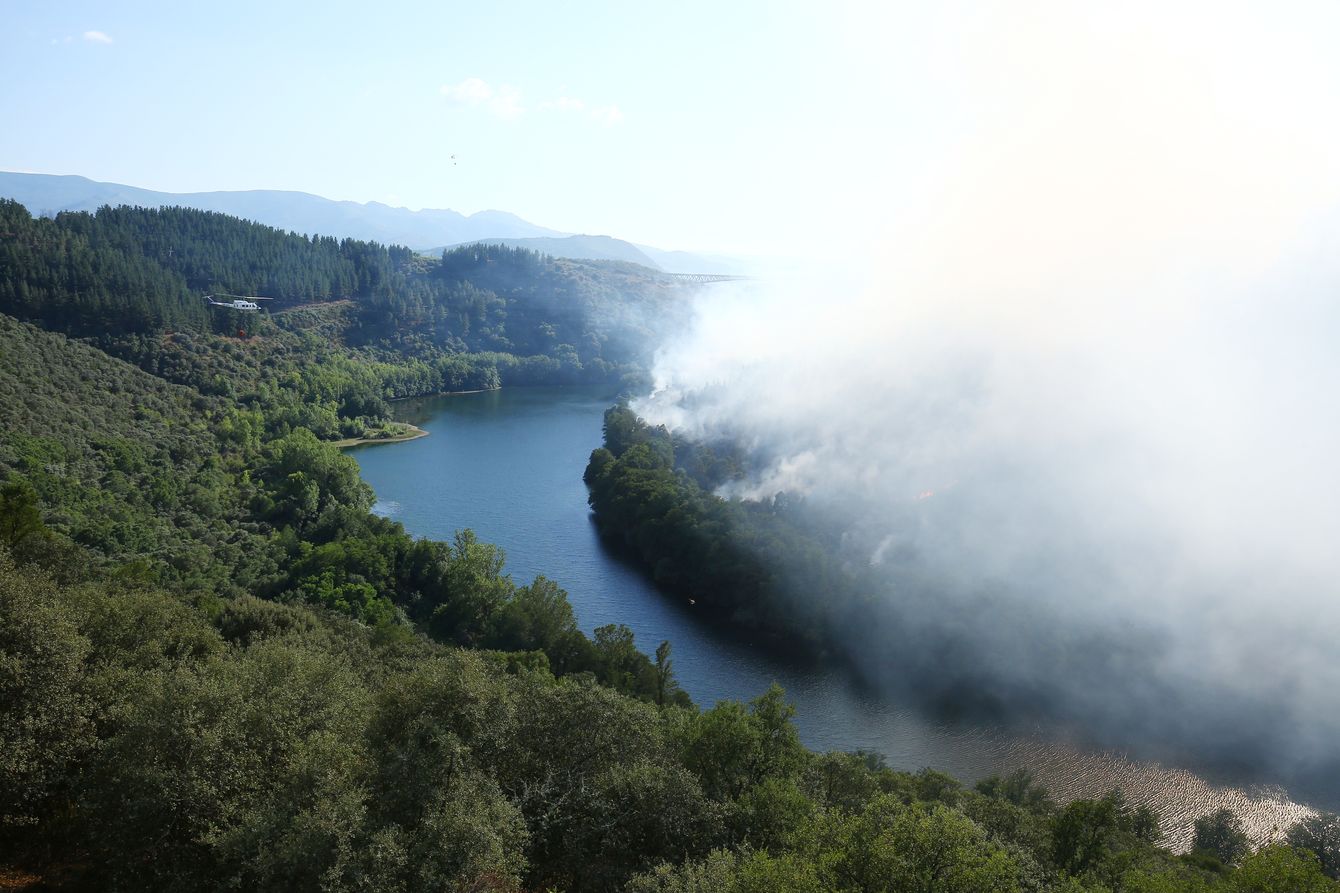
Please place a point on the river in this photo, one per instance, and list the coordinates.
(509, 463)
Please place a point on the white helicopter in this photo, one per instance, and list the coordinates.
(238, 302)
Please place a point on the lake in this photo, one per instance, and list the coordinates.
(508, 464)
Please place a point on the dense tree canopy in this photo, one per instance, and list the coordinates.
(125, 276)
(748, 561)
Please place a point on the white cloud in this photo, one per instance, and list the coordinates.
(97, 37)
(608, 115)
(564, 104)
(602, 114)
(504, 101)
(471, 91)
(507, 103)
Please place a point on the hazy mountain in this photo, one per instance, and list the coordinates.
(687, 262)
(609, 248)
(575, 247)
(297, 211)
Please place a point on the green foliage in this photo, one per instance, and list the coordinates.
(665, 673)
(1319, 835)
(596, 778)
(539, 615)
(232, 770)
(746, 561)
(1085, 833)
(46, 707)
(124, 465)
(1281, 869)
(1017, 788)
(473, 589)
(439, 812)
(70, 278)
(733, 749)
(246, 620)
(920, 847)
(1220, 834)
(311, 485)
(719, 872)
(846, 781)
(20, 518)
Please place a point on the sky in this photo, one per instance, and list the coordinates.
(684, 125)
(751, 127)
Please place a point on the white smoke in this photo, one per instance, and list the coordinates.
(1089, 378)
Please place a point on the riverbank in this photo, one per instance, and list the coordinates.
(446, 393)
(409, 432)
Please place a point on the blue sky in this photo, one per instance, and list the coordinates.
(765, 127)
(685, 125)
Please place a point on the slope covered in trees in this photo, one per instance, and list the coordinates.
(136, 272)
(150, 742)
(219, 671)
(56, 275)
(138, 480)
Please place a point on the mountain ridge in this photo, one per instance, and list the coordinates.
(311, 214)
(293, 210)
(579, 246)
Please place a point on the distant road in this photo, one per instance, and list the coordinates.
(310, 304)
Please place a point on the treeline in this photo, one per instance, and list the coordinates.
(135, 273)
(214, 252)
(750, 562)
(158, 742)
(56, 275)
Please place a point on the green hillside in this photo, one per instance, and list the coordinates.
(127, 273)
(220, 671)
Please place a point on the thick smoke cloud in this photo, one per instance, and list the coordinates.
(1076, 407)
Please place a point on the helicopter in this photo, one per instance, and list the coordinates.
(238, 302)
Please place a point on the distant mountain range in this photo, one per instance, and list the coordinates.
(47, 194)
(585, 247)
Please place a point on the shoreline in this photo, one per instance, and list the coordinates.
(414, 433)
(444, 394)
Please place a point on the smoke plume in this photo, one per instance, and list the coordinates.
(1075, 406)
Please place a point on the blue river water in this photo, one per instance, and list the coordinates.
(508, 464)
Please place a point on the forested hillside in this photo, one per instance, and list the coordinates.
(133, 469)
(129, 478)
(220, 671)
(150, 743)
(127, 273)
